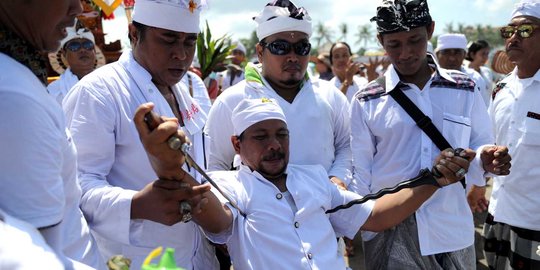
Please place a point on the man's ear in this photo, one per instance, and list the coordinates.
(430, 29)
(380, 39)
(236, 144)
(259, 50)
(133, 34)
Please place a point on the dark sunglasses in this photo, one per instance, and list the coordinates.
(524, 30)
(283, 47)
(75, 46)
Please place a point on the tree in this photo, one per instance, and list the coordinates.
(461, 28)
(486, 32)
(364, 35)
(322, 33)
(250, 44)
(344, 29)
(211, 52)
(449, 28)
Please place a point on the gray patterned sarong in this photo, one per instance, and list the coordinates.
(398, 248)
(507, 247)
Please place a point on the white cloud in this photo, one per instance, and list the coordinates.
(495, 5)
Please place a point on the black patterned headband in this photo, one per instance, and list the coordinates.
(401, 15)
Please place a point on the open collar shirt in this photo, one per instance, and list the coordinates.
(113, 164)
(272, 235)
(225, 78)
(515, 112)
(59, 88)
(317, 120)
(358, 83)
(480, 82)
(388, 147)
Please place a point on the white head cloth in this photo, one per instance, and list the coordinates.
(174, 15)
(282, 16)
(239, 46)
(72, 33)
(252, 111)
(527, 8)
(451, 41)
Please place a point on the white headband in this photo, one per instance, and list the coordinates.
(252, 111)
(527, 8)
(175, 15)
(277, 19)
(451, 41)
(74, 34)
(239, 46)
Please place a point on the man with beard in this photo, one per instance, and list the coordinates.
(78, 48)
(126, 212)
(512, 229)
(279, 219)
(389, 146)
(315, 109)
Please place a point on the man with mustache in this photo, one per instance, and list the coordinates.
(281, 220)
(388, 145)
(512, 229)
(127, 213)
(316, 110)
(78, 48)
(451, 50)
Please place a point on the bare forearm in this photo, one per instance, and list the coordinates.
(344, 87)
(214, 217)
(392, 209)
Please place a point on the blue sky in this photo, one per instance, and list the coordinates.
(234, 17)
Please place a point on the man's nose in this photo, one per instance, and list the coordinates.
(274, 143)
(179, 52)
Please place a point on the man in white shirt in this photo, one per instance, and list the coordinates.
(23, 247)
(388, 146)
(279, 218)
(38, 180)
(79, 50)
(451, 51)
(126, 213)
(512, 229)
(316, 110)
(234, 72)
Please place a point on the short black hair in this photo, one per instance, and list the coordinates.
(141, 30)
(474, 47)
(241, 136)
(334, 45)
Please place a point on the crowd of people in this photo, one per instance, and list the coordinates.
(85, 175)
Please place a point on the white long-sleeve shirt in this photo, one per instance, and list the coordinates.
(113, 164)
(59, 88)
(515, 112)
(480, 82)
(389, 147)
(358, 83)
(38, 168)
(281, 234)
(317, 120)
(196, 86)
